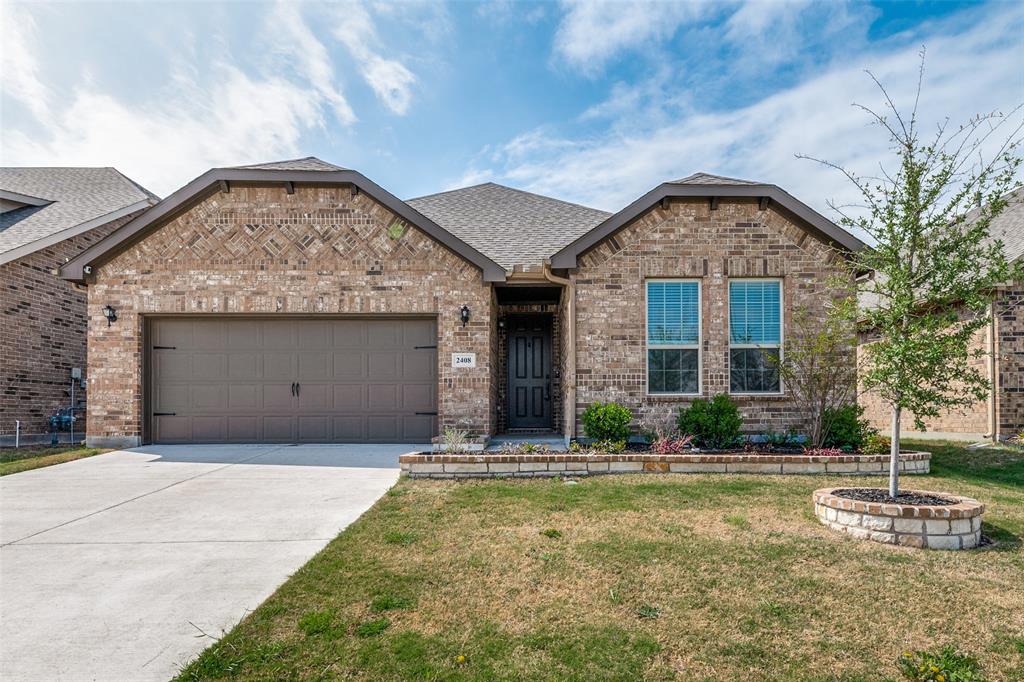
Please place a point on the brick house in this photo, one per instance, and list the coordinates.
(47, 217)
(1000, 348)
(299, 301)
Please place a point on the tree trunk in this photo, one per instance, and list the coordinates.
(894, 453)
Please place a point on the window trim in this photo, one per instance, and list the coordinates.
(685, 346)
(782, 334)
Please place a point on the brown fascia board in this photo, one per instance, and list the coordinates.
(820, 226)
(212, 181)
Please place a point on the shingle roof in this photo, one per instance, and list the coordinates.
(510, 226)
(1008, 226)
(308, 163)
(76, 197)
(709, 179)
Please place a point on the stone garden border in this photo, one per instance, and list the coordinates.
(956, 526)
(494, 465)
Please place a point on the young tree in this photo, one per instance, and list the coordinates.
(818, 367)
(933, 266)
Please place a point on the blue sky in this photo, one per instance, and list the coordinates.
(594, 102)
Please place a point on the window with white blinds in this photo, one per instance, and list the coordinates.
(755, 335)
(673, 336)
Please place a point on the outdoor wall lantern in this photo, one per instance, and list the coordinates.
(464, 315)
(110, 314)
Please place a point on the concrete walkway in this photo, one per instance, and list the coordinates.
(112, 567)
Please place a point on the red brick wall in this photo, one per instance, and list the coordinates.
(689, 240)
(259, 250)
(43, 334)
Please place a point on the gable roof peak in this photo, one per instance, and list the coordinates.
(702, 178)
(306, 163)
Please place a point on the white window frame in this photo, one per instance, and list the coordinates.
(782, 333)
(685, 346)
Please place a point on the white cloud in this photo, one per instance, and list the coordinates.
(967, 72)
(594, 31)
(19, 69)
(293, 39)
(390, 80)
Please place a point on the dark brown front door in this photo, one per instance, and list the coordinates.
(529, 372)
(231, 380)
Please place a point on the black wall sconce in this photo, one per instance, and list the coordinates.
(464, 315)
(110, 314)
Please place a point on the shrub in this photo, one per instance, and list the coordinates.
(714, 423)
(612, 447)
(607, 421)
(670, 445)
(949, 665)
(455, 440)
(847, 428)
(876, 444)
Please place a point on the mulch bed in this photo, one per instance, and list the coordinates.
(882, 496)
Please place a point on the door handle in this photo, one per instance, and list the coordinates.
(298, 389)
(547, 391)
(293, 389)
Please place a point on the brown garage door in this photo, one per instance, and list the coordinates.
(223, 380)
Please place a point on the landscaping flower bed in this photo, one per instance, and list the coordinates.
(915, 519)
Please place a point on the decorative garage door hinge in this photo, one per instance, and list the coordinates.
(421, 347)
(165, 348)
(165, 414)
(428, 414)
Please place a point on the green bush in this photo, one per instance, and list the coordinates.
(949, 665)
(848, 429)
(607, 422)
(713, 423)
(876, 444)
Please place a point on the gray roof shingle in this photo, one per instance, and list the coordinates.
(75, 196)
(308, 163)
(1008, 226)
(510, 226)
(709, 179)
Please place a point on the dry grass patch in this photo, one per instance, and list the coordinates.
(16, 460)
(637, 577)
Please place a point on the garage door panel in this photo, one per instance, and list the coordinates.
(316, 398)
(281, 429)
(383, 365)
(244, 429)
(290, 380)
(279, 365)
(278, 397)
(349, 397)
(382, 397)
(209, 398)
(209, 334)
(315, 365)
(350, 365)
(383, 334)
(245, 334)
(209, 366)
(245, 397)
(245, 366)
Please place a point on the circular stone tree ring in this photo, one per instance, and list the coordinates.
(948, 526)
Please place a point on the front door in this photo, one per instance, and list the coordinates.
(529, 372)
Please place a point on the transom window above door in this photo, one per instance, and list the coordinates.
(673, 336)
(755, 335)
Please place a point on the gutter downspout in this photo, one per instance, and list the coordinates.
(568, 381)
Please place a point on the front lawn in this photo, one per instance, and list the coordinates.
(15, 460)
(638, 577)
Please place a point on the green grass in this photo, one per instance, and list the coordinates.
(648, 577)
(13, 461)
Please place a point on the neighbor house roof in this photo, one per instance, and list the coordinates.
(288, 173)
(1008, 226)
(511, 226)
(713, 187)
(59, 203)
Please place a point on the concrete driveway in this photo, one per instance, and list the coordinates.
(112, 567)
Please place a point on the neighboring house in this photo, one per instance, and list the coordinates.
(47, 217)
(1000, 348)
(299, 301)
